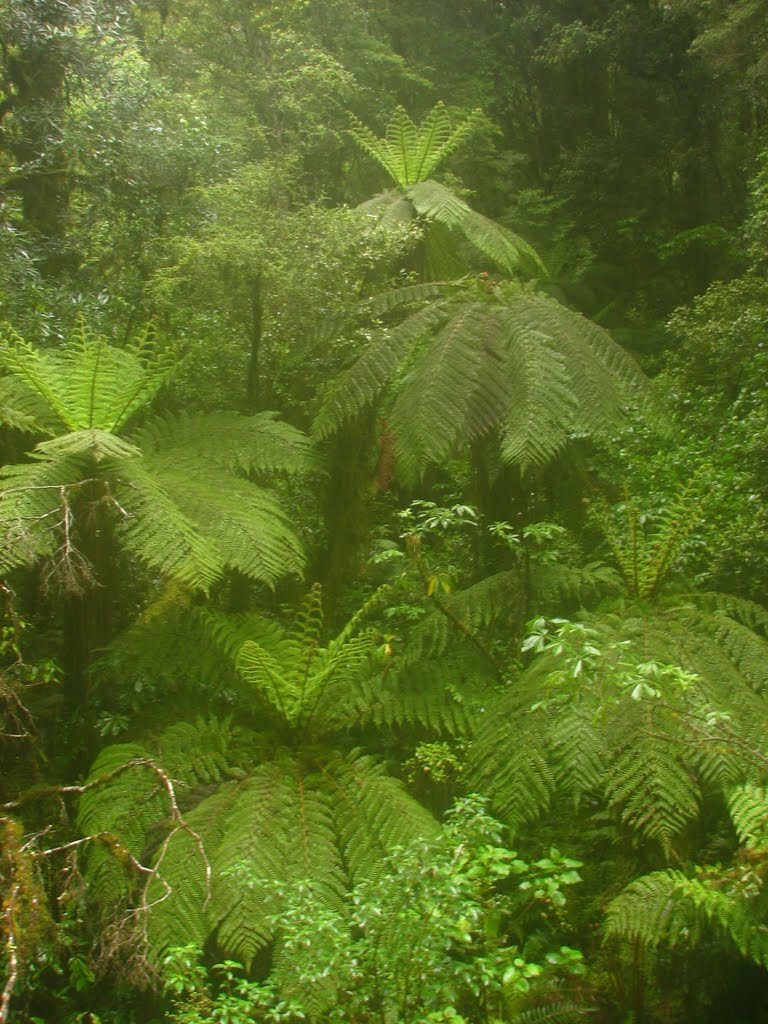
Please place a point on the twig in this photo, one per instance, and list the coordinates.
(177, 818)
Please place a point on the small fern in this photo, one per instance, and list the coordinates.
(646, 561)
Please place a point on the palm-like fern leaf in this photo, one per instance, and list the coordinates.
(34, 500)
(135, 804)
(645, 561)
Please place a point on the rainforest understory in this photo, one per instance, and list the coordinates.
(383, 511)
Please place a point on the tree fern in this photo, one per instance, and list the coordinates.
(260, 810)
(470, 363)
(183, 495)
(645, 709)
(91, 384)
(409, 154)
(648, 706)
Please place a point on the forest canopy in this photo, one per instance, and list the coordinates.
(383, 511)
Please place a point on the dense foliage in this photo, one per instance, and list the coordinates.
(383, 511)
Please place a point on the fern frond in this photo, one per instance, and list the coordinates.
(553, 584)
(649, 709)
(748, 806)
(23, 409)
(302, 847)
(438, 203)
(265, 674)
(198, 752)
(259, 444)
(447, 698)
(282, 825)
(456, 391)
(373, 814)
(600, 374)
(559, 1011)
(646, 561)
(358, 387)
(409, 153)
(159, 534)
(748, 613)
(303, 681)
(222, 520)
(92, 444)
(667, 907)
(176, 642)
(34, 497)
(35, 370)
(477, 607)
(91, 384)
(357, 620)
(124, 807)
(463, 366)
(579, 753)
(543, 411)
(509, 252)
(510, 762)
(180, 899)
(390, 209)
(747, 651)
(227, 633)
(385, 302)
(654, 790)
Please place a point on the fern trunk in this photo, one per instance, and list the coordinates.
(89, 619)
(254, 400)
(347, 511)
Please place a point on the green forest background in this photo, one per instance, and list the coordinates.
(384, 511)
